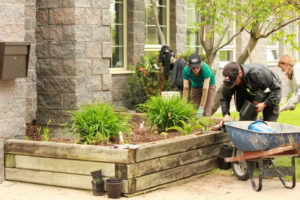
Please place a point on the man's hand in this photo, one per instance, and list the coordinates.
(260, 107)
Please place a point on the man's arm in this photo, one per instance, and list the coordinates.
(204, 92)
(225, 99)
(185, 92)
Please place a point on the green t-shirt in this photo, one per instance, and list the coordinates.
(197, 82)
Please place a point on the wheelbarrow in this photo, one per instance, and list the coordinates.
(254, 148)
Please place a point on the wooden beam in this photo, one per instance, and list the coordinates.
(64, 165)
(69, 151)
(171, 161)
(180, 144)
(54, 179)
(174, 174)
(10, 160)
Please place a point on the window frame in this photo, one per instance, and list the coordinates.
(157, 47)
(124, 67)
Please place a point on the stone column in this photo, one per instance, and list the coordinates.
(135, 30)
(73, 50)
(17, 96)
(178, 26)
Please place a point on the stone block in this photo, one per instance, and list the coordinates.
(30, 11)
(93, 16)
(13, 127)
(94, 83)
(49, 33)
(101, 34)
(42, 84)
(30, 23)
(69, 101)
(59, 117)
(50, 101)
(102, 4)
(107, 82)
(102, 96)
(83, 67)
(62, 16)
(80, 16)
(12, 32)
(94, 50)
(62, 50)
(106, 50)
(100, 66)
(42, 50)
(106, 18)
(62, 84)
(54, 3)
(12, 108)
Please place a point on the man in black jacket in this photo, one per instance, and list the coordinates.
(248, 82)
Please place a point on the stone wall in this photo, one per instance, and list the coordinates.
(73, 50)
(135, 30)
(17, 96)
(178, 26)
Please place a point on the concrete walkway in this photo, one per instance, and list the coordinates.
(210, 187)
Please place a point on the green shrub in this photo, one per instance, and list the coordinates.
(146, 81)
(165, 113)
(187, 128)
(98, 123)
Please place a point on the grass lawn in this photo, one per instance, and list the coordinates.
(286, 117)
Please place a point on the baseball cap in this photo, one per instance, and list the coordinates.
(230, 73)
(194, 61)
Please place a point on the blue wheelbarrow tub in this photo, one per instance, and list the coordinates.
(249, 140)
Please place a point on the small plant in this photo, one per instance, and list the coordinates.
(98, 123)
(165, 113)
(186, 128)
(46, 132)
(205, 122)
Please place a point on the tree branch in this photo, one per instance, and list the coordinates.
(158, 29)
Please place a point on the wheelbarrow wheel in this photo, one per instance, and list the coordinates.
(240, 168)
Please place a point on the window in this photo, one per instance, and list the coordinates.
(226, 54)
(192, 33)
(152, 43)
(118, 33)
(272, 51)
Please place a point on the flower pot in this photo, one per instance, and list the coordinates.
(97, 174)
(113, 187)
(98, 187)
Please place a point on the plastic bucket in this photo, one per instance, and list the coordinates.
(97, 174)
(170, 94)
(113, 187)
(98, 188)
(248, 111)
(260, 126)
(225, 151)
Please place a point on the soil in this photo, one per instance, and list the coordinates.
(140, 133)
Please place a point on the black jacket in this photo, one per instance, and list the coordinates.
(255, 76)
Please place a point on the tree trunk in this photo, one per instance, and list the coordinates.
(158, 29)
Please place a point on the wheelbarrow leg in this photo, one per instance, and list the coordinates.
(250, 167)
(293, 176)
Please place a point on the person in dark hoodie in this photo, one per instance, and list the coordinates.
(247, 82)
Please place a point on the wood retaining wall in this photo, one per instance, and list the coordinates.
(151, 166)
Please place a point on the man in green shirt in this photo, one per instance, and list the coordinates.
(203, 90)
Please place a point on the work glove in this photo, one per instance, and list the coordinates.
(200, 112)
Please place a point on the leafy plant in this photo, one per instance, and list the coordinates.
(165, 113)
(187, 128)
(46, 132)
(205, 122)
(146, 81)
(98, 123)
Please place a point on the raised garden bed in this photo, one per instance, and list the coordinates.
(149, 167)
